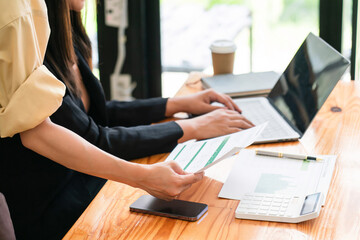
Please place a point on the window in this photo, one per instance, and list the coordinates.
(278, 28)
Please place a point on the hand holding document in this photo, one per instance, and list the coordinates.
(197, 156)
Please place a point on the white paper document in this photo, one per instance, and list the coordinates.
(200, 155)
(265, 174)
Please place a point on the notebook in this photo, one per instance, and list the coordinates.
(299, 93)
(242, 85)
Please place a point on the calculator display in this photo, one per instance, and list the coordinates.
(310, 203)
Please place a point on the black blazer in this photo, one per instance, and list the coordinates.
(120, 128)
(45, 198)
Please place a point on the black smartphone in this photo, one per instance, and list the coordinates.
(185, 210)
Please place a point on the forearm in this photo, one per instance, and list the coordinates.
(189, 130)
(70, 150)
(136, 112)
(164, 180)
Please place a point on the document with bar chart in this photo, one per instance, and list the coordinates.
(253, 173)
(194, 156)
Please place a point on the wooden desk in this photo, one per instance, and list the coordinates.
(331, 132)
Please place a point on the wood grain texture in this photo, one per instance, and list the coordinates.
(108, 216)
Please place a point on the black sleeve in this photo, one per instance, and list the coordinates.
(128, 143)
(137, 112)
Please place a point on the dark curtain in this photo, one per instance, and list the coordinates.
(143, 60)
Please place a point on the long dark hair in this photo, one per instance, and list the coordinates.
(67, 31)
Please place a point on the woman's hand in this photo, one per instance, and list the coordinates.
(200, 103)
(166, 180)
(216, 123)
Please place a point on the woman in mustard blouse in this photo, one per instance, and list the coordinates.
(36, 112)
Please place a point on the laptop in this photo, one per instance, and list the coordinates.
(298, 94)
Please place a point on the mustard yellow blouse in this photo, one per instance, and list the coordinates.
(29, 93)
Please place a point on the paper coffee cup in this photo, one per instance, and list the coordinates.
(223, 55)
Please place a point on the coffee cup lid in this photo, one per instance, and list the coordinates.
(223, 46)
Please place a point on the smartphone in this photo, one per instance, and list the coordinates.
(179, 209)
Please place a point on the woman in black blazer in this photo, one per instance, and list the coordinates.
(123, 128)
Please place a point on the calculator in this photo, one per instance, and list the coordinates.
(279, 208)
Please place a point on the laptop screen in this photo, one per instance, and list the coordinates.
(307, 81)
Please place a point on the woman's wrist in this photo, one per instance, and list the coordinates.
(189, 129)
(174, 105)
(132, 174)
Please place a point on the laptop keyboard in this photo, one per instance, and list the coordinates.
(257, 114)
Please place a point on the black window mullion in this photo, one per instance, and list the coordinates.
(331, 12)
(354, 38)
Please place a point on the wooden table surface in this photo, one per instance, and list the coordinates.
(335, 130)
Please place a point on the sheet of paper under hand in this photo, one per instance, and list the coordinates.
(197, 156)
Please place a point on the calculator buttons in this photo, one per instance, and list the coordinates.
(267, 204)
(274, 207)
(276, 204)
(252, 211)
(267, 199)
(277, 209)
(273, 213)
